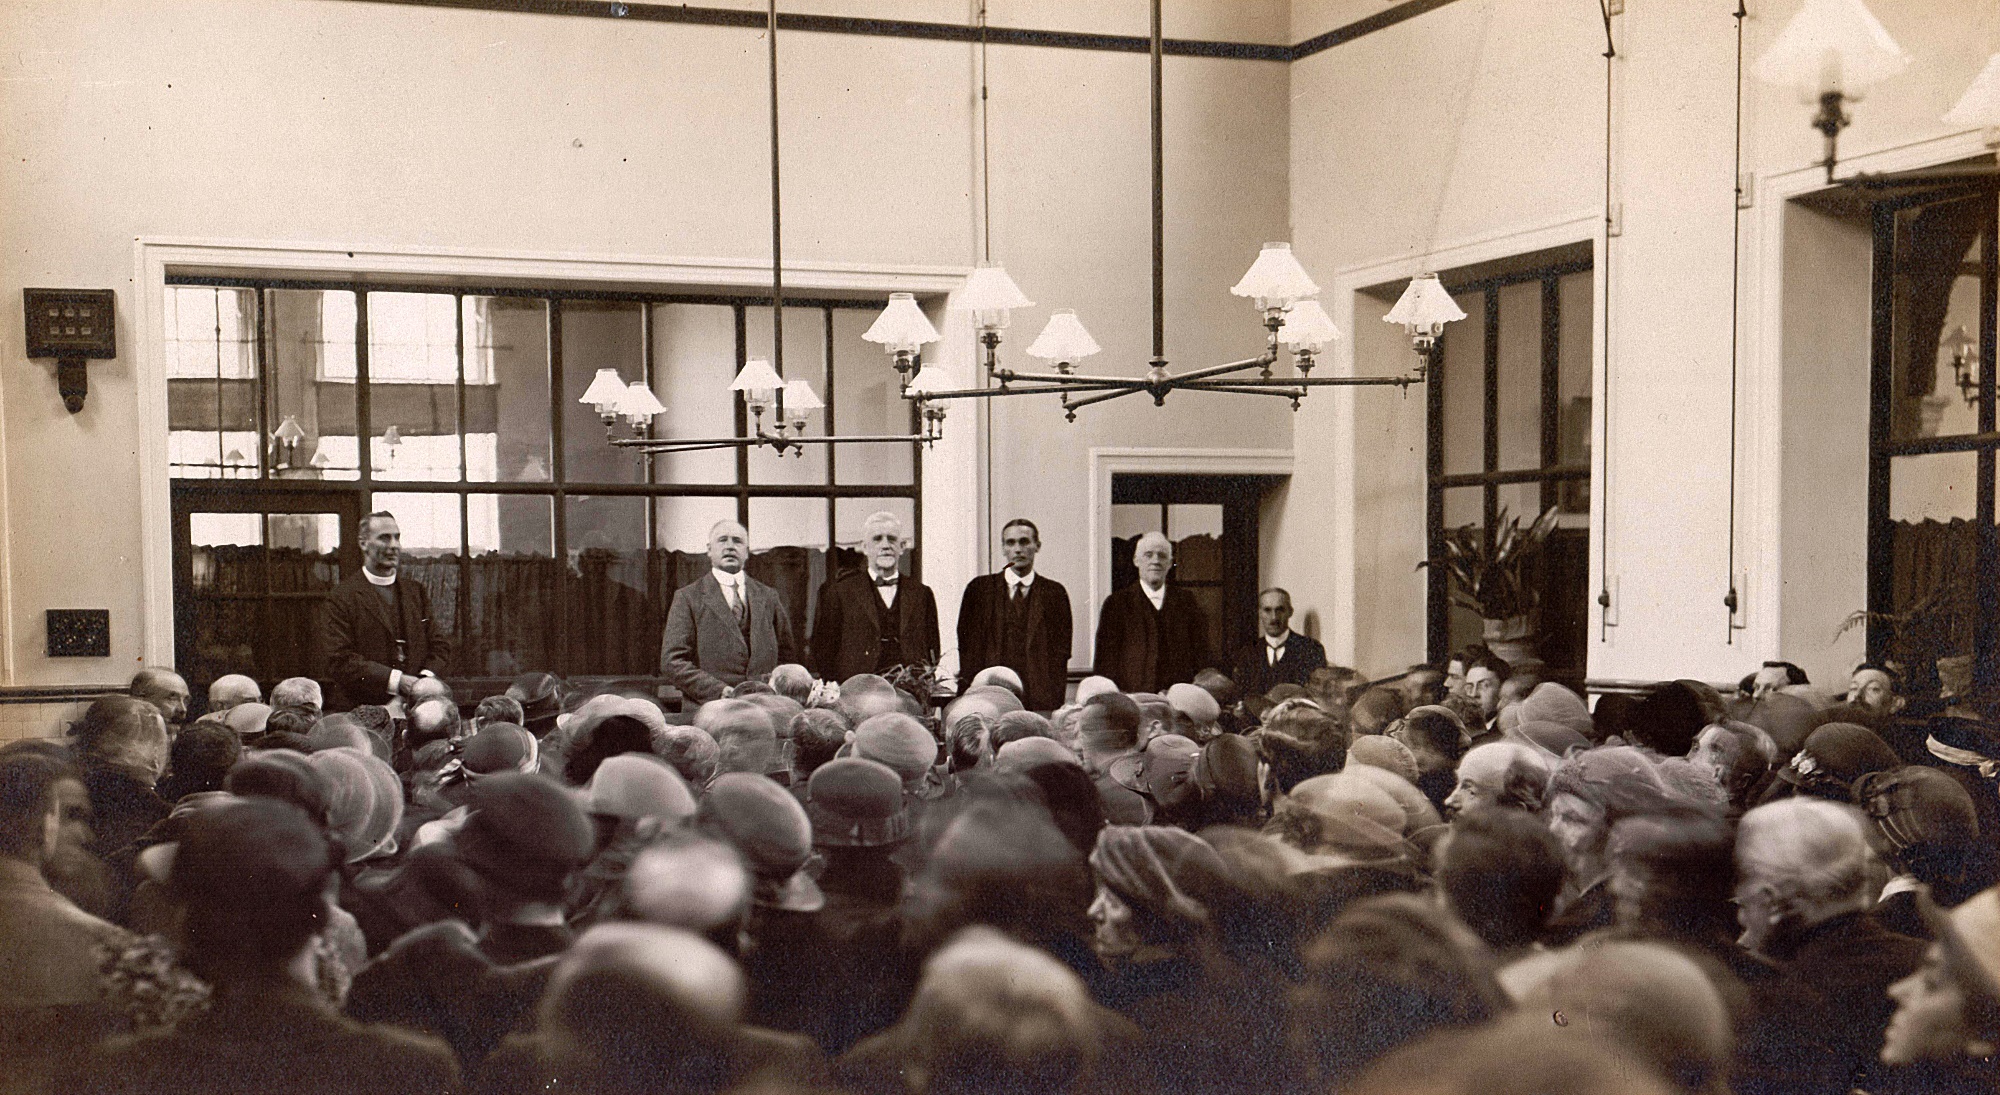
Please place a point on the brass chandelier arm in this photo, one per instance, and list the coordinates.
(1302, 382)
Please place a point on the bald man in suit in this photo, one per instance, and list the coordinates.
(724, 627)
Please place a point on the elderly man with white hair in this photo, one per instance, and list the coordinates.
(230, 690)
(1151, 635)
(1802, 882)
(876, 619)
(724, 627)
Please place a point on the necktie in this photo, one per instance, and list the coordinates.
(884, 583)
(1020, 593)
(736, 604)
(1272, 653)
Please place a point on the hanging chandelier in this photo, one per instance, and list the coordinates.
(761, 381)
(1276, 284)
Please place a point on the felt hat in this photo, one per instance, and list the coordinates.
(856, 803)
(1170, 873)
(1917, 805)
(1384, 752)
(695, 883)
(1227, 771)
(769, 827)
(1834, 756)
(631, 786)
(525, 833)
(1166, 768)
(280, 774)
(1001, 676)
(1194, 703)
(1028, 752)
(499, 747)
(247, 854)
(1418, 812)
(247, 719)
(1091, 686)
(1341, 813)
(1550, 737)
(1551, 702)
(1788, 719)
(898, 741)
(1969, 937)
(364, 799)
(540, 697)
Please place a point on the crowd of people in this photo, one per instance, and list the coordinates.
(1460, 879)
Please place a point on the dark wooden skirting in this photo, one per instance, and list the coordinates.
(939, 32)
(71, 693)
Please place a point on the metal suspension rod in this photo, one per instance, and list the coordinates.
(1159, 207)
(777, 219)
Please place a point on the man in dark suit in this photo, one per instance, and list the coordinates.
(1018, 619)
(724, 627)
(1282, 656)
(1151, 635)
(380, 635)
(873, 620)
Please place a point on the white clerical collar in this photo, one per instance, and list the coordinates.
(1158, 597)
(725, 579)
(1014, 579)
(1278, 643)
(375, 580)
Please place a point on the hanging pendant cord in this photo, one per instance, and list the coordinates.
(1730, 600)
(1604, 413)
(777, 267)
(1159, 209)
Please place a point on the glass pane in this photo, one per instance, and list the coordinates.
(1519, 388)
(233, 529)
(1464, 506)
(597, 335)
(211, 371)
(1184, 521)
(1935, 487)
(1132, 520)
(850, 514)
(1464, 380)
(682, 524)
(805, 359)
(867, 400)
(309, 388)
(305, 551)
(694, 360)
(413, 386)
(1935, 354)
(614, 619)
(788, 552)
(1523, 500)
(512, 599)
(507, 390)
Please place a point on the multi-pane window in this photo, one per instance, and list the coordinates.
(543, 545)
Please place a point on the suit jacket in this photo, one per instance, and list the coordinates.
(703, 651)
(846, 639)
(982, 616)
(1144, 649)
(1256, 676)
(359, 638)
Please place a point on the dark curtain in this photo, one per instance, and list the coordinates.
(1933, 572)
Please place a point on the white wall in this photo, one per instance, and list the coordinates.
(358, 126)
(1480, 124)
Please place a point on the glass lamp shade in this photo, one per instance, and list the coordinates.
(989, 294)
(289, 431)
(319, 459)
(1832, 45)
(1424, 309)
(901, 328)
(1307, 327)
(393, 436)
(1275, 279)
(606, 389)
(637, 404)
(929, 379)
(758, 382)
(1979, 107)
(800, 402)
(1064, 339)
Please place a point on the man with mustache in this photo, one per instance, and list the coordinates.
(724, 627)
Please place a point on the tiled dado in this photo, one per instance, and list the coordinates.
(43, 712)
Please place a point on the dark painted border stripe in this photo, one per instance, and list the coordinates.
(880, 28)
(80, 693)
(1388, 17)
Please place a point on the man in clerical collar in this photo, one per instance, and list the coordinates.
(875, 619)
(1151, 635)
(1281, 655)
(725, 627)
(1019, 619)
(380, 635)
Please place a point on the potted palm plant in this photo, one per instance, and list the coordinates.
(1495, 577)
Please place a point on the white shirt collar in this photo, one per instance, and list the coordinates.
(375, 580)
(725, 579)
(1014, 579)
(1159, 598)
(1279, 642)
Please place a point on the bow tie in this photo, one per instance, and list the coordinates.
(883, 583)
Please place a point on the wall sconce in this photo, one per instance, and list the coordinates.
(72, 326)
(1963, 350)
